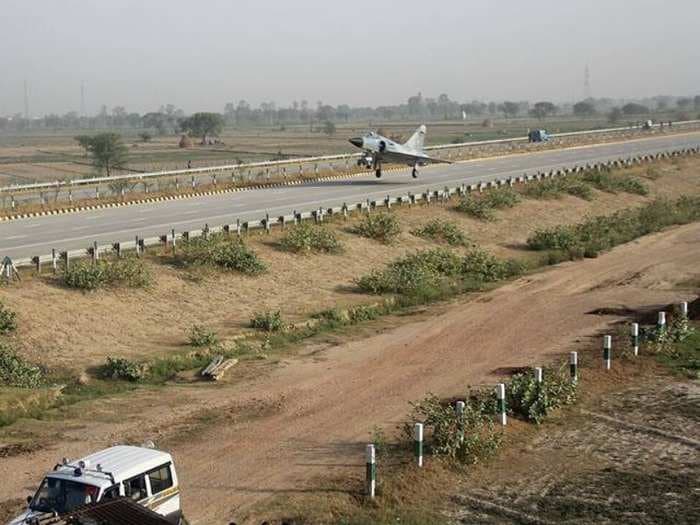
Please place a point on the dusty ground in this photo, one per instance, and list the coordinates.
(281, 430)
(61, 327)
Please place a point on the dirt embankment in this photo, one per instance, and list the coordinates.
(287, 428)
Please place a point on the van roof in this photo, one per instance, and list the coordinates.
(122, 461)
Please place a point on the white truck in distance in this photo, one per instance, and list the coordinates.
(143, 474)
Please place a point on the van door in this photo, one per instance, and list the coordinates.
(135, 488)
(165, 495)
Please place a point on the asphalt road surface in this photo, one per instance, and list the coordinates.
(37, 236)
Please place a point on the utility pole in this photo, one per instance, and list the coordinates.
(82, 99)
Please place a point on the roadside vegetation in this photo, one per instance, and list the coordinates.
(484, 206)
(8, 320)
(201, 336)
(557, 187)
(17, 372)
(307, 238)
(268, 321)
(597, 234)
(220, 251)
(383, 227)
(130, 272)
(614, 182)
(442, 231)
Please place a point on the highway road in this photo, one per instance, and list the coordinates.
(37, 236)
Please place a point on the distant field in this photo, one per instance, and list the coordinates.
(47, 156)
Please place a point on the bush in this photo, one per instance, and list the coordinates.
(613, 183)
(442, 231)
(501, 198)
(120, 368)
(220, 251)
(202, 336)
(596, 234)
(267, 321)
(307, 238)
(8, 320)
(553, 188)
(468, 438)
(129, 271)
(485, 267)
(476, 207)
(383, 227)
(16, 372)
(527, 398)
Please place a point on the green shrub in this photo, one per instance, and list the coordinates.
(468, 438)
(383, 227)
(554, 188)
(130, 272)
(501, 198)
(476, 207)
(527, 398)
(363, 313)
(8, 320)
(597, 234)
(16, 372)
(202, 336)
(615, 182)
(442, 231)
(220, 251)
(268, 321)
(485, 267)
(308, 238)
(121, 368)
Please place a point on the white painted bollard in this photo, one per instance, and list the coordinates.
(538, 374)
(684, 309)
(573, 366)
(459, 410)
(418, 443)
(371, 472)
(607, 351)
(661, 323)
(635, 338)
(501, 397)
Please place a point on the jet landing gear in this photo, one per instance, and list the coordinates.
(378, 169)
(414, 173)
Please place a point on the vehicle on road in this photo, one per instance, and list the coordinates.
(538, 135)
(142, 474)
(378, 149)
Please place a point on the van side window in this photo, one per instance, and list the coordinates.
(111, 493)
(160, 479)
(135, 488)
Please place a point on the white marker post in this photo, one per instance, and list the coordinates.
(371, 477)
(418, 434)
(501, 396)
(573, 366)
(635, 338)
(661, 323)
(538, 374)
(684, 309)
(459, 410)
(607, 351)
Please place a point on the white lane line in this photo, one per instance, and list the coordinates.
(15, 237)
(35, 225)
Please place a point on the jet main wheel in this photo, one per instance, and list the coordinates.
(378, 173)
(415, 173)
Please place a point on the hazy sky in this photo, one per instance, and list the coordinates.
(200, 54)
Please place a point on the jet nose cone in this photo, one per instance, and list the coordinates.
(357, 141)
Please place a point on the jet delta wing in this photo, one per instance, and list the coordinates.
(379, 149)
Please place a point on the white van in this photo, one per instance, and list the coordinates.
(143, 474)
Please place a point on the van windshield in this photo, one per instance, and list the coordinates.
(61, 495)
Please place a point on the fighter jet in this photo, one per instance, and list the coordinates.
(378, 149)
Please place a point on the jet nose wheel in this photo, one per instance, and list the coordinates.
(415, 173)
(378, 173)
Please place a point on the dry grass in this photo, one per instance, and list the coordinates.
(67, 328)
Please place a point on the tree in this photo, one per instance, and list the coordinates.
(329, 128)
(510, 109)
(634, 109)
(203, 124)
(108, 151)
(684, 103)
(615, 115)
(542, 110)
(584, 109)
(145, 136)
(84, 141)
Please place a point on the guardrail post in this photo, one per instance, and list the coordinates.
(141, 246)
(607, 351)
(267, 223)
(661, 323)
(137, 246)
(37, 263)
(194, 183)
(345, 211)
(95, 252)
(54, 260)
(177, 184)
(70, 196)
(97, 192)
(238, 227)
(369, 207)
(173, 239)
(66, 260)
(538, 374)
(371, 472)
(684, 309)
(12, 202)
(387, 201)
(213, 179)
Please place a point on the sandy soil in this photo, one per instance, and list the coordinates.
(283, 429)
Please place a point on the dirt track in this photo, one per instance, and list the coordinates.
(285, 430)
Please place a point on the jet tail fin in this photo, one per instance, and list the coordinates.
(417, 140)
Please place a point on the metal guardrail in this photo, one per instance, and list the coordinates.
(304, 160)
(266, 223)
